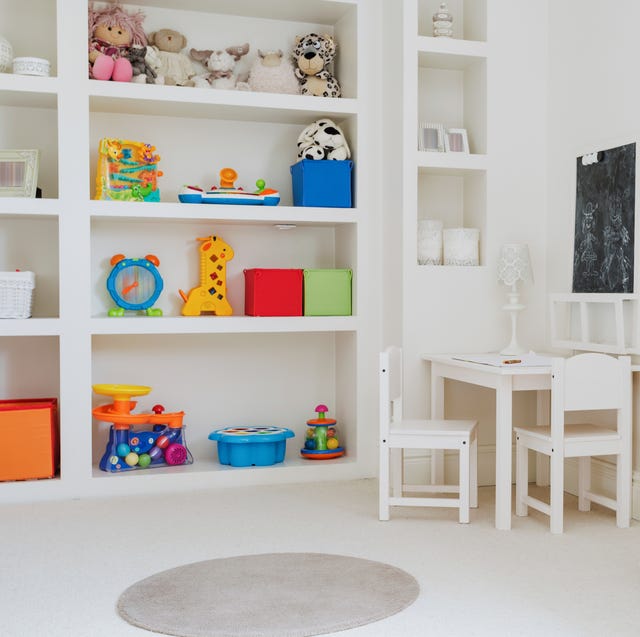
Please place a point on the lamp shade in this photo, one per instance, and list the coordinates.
(514, 264)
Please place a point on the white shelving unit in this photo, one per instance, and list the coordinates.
(445, 83)
(220, 370)
(595, 322)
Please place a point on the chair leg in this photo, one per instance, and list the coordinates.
(557, 491)
(397, 472)
(383, 483)
(522, 477)
(464, 483)
(623, 490)
(473, 470)
(584, 483)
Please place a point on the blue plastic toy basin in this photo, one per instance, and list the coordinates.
(251, 446)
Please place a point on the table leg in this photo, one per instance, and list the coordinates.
(437, 413)
(543, 411)
(504, 415)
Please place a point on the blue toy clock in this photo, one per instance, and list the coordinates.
(134, 284)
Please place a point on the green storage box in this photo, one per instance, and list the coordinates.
(327, 292)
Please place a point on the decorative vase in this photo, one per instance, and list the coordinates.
(461, 246)
(442, 22)
(430, 242)
(6, 55)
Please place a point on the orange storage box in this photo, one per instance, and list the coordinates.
(29, 435)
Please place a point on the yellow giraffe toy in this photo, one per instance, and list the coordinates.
(211, 294)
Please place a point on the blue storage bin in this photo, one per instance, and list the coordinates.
(251, 446)
(325, 183)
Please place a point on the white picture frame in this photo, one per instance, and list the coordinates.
(456, 141)
(19, 173)
(431, 137)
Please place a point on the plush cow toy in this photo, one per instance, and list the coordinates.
(323, 139)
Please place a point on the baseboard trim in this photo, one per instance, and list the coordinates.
(603, 473)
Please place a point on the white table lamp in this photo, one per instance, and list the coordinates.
(514, 265)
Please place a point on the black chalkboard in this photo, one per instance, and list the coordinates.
(605, 208)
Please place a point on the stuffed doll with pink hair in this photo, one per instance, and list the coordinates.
(112, 31)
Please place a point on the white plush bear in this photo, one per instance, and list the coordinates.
(328, 136)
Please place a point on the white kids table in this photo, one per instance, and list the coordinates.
(533, 372)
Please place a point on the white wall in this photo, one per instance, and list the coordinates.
(594, 99)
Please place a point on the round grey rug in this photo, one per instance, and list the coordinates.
(270, 595)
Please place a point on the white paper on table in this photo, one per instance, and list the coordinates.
(498, 360)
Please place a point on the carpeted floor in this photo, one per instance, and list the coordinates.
(268, 595)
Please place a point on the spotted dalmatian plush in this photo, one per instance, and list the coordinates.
(323, 139)
(313, 55)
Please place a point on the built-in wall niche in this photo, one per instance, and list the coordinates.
(29, 121)
(231, 380)
(454, 97)
(29, 367)
(255, 149)
(26, 249)
(177, 247)
(469, 18)
(457, 199)
(30, 27)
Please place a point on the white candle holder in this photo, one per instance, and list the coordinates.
(429, 242)
(461, 246)
(6, 55)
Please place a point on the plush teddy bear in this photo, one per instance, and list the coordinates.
(273, 73)
(323, 139)
(112, 31)
(173, 67)
(143, 73)
(313, 55)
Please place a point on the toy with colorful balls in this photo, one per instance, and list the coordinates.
(321, 442)
(129, 448)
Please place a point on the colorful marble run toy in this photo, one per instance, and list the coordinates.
(129, 448)
(211, 295)
(127, 171)
(321, 442)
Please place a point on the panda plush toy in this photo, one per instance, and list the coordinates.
(323, 139)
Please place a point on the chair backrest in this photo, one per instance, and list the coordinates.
(390, 373)
(589, 382)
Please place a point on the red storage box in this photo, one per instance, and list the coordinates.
(273, 292)
(29, 435)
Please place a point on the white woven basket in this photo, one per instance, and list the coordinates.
(16, 294)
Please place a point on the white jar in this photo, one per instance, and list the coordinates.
(6, 55)
(461, 246)
(430, 242)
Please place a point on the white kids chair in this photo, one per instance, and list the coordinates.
(586, 382)
(397, 434)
